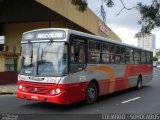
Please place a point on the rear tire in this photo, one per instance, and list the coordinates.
(139, 83)
(91, 93)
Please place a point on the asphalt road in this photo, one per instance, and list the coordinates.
(146, 100)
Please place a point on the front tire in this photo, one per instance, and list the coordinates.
(139, 83)
(91, 93)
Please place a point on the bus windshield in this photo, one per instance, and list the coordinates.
(47, 59)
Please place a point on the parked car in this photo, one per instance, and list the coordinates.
(158, 65)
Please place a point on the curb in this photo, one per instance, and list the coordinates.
(7, 90)
(2, 92)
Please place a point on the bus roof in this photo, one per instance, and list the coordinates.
(86, 35)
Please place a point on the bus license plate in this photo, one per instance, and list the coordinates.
(34, 97)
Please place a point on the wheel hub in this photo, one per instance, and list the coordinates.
(92, 93)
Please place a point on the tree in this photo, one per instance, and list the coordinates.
(82, 4)
(158, 53)
(155, 58)
(150, 14)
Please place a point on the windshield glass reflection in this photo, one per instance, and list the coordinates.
(44, 59)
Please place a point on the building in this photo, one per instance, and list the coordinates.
(148, 41)
(18, 16)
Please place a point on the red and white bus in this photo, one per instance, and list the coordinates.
(64, 66)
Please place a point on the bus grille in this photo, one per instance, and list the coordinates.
(40, 90)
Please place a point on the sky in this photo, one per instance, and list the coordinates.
(125, 25)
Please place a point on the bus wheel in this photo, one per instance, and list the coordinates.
(139, 83)
(91, 93)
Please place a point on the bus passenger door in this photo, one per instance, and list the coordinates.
(77, 65)
(77, 55)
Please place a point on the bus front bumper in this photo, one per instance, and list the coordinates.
(58, 99)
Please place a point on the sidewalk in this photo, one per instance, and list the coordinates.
(8, 89)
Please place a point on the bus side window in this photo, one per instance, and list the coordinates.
(78, 58)
(143, 57)
(149, 58)
(105, 52)
(112, 53)
(118, 55)
(137, 56)
(94, 52)
(129, 55)
(123, 57)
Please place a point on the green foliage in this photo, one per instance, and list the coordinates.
(150, 16)
(158, 53)
(155, 59)
(81, 4)
(109, 3)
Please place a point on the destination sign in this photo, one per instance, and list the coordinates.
(55, 34)
(44, 35)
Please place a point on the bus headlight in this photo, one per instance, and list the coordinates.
(55, 91)
(20, 87)
(58, 91)
(52, 92)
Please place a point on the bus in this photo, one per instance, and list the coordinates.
(64, 66)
